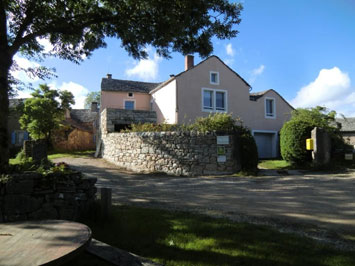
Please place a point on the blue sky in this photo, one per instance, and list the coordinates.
(304, 49)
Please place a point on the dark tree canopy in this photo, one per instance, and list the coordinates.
(77, 27)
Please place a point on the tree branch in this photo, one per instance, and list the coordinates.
(25, 23)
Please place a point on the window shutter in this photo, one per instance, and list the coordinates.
(13, 137)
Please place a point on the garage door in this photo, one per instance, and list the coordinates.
(264, 142)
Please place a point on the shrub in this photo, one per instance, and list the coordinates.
(150, 127)
(248, 149)
(220, 122)
(293, 137)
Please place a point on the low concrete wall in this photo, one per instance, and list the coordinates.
(56, 196)
(176, 153)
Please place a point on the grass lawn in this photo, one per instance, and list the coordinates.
(179, 238)
(61, 154)
(72, 154)
(274, 164)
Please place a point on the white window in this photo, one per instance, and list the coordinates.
(214, 100)
(214, 78)
(270, 108)
(130, 94)
(129, 105)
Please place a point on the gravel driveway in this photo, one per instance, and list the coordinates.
(324, 201)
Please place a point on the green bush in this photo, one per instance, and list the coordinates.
(219, 122)
(248, 149)
(150, 127)
(293, 137)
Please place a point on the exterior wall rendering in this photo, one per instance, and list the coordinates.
(111, 99)
(164, 103)
(190, 86)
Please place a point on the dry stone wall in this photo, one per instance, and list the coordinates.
(111, 116)
(175, 153)
(29, 196)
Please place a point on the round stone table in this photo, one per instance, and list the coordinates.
(47, 242)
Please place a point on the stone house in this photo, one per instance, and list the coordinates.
(347, 129)
(78, 131)
(208, 87)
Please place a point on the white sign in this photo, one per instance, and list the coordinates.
(221, 158)
(222, 140)
(349, 156)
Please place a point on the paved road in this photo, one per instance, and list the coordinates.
(312, 199)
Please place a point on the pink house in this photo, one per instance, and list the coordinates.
(208, 87)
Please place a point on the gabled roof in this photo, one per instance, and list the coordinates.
(347, 124)
(83, 115)
(214, 56)
(256, 95)
(110, 84)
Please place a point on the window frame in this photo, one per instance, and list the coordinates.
(217, 75)
(132, 96)
(273, 115)
(214, 109)
(129, 100)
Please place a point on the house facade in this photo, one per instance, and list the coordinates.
(208, 87)
(347, 129)
(16, 135)
(78, 131)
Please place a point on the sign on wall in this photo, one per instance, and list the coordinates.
(222, 140)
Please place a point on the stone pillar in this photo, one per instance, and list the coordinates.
(322, 146)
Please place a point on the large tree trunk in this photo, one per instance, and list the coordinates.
(4, 113)
(5, 64)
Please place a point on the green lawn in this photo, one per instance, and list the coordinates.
(178, 238)
(72, 154)
(61, 154)
(274, 164)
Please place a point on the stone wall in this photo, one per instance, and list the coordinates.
(176, 153)
(349, 137)
(31, 195)
(110, 117)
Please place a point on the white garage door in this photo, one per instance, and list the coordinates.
(265, 143)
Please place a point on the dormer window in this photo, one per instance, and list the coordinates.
(214, 78)
(130, 94)
(270, 108)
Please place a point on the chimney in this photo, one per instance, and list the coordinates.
(109, 76)
(189, 62)
(94, 107)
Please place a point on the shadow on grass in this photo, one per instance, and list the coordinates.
(178, 238)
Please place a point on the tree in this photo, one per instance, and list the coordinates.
(43, 113)
(93, 96)
(294, 133)
(78, 27)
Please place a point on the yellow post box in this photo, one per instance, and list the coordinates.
(309, 144)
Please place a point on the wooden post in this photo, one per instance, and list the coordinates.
(106, 202)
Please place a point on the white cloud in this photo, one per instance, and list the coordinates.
(76, 89)
(45, 43)
(146, 69)
(21, 75)
(229, 50)
(256, 72)
(332, 89)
